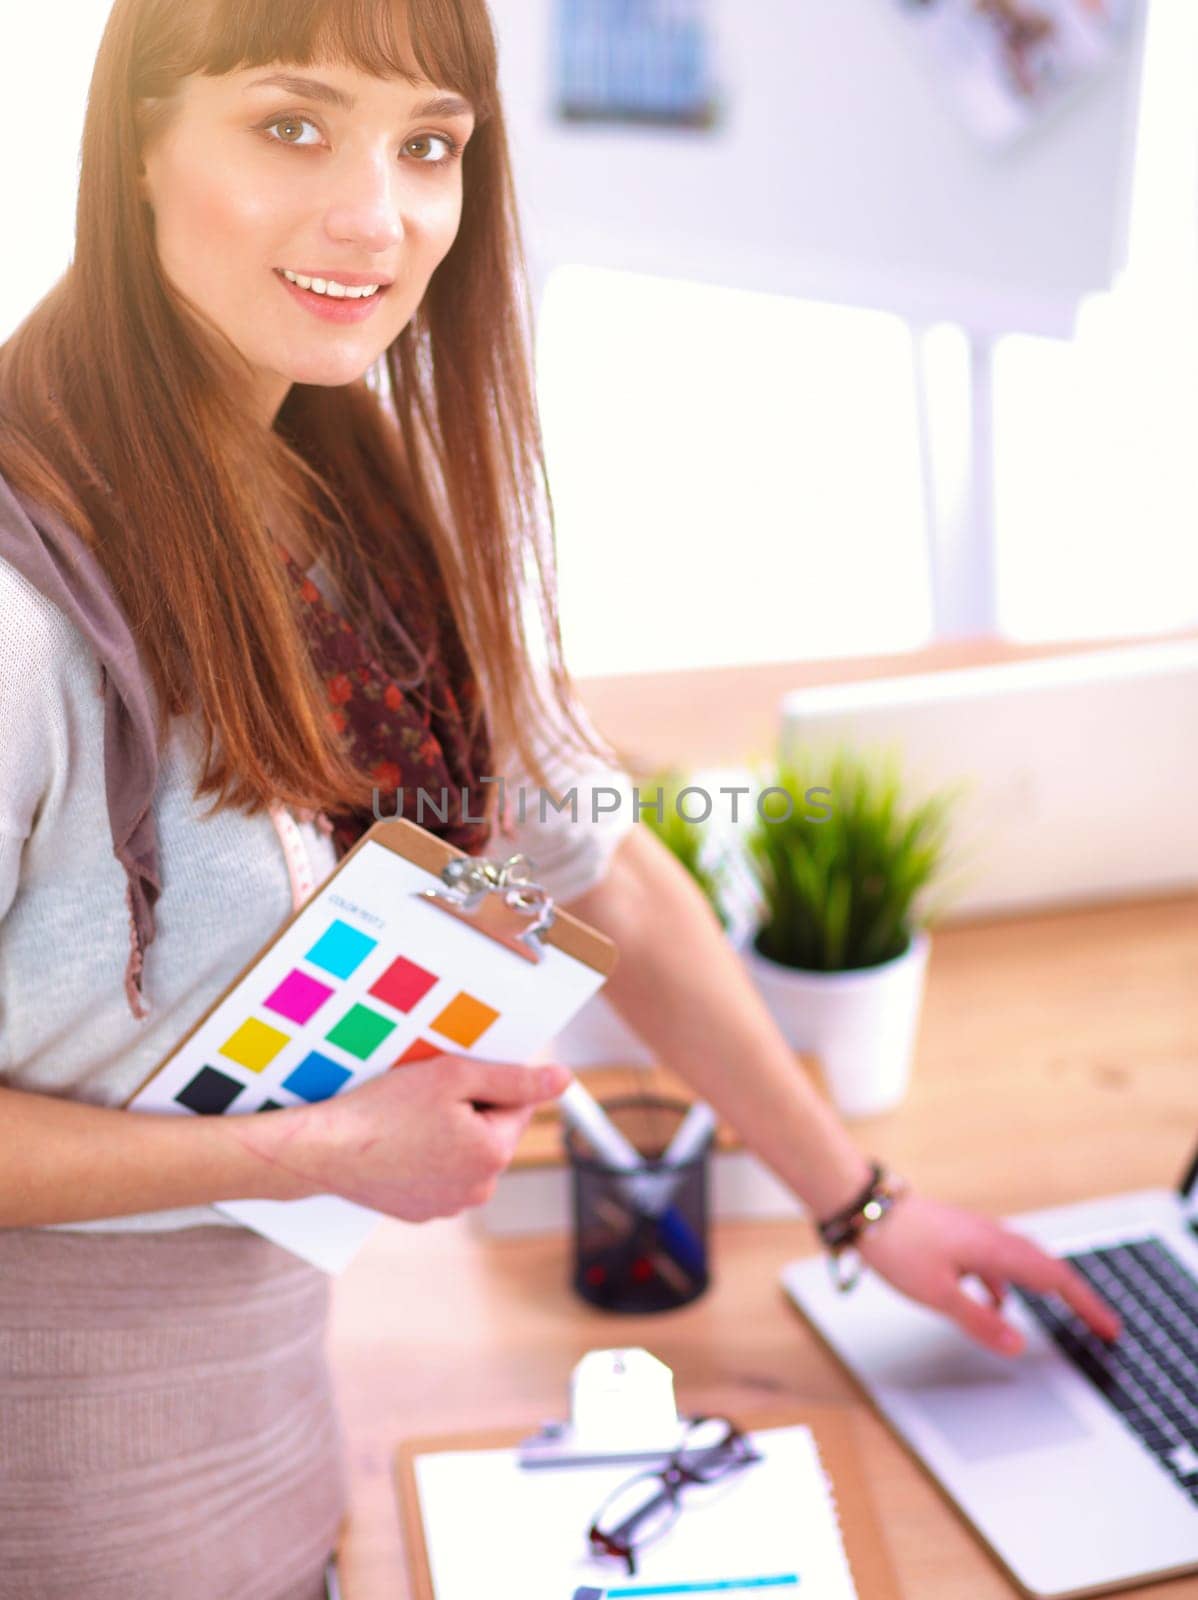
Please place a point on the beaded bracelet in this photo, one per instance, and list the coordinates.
(840, 1232)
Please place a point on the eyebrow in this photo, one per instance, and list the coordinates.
(441, 105)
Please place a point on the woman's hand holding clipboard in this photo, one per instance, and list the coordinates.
(425, 1140)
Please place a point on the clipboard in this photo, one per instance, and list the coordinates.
(410, 948)
(832, 1428)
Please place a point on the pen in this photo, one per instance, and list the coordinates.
(783, 1580)
(645, 1190)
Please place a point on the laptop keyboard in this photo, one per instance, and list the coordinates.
(1150, 1373)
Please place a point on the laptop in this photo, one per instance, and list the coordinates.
(1075, 1461)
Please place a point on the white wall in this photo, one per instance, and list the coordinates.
(735, 473)
(839, 170)
(46, 57)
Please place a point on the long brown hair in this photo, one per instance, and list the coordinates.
(125, 410)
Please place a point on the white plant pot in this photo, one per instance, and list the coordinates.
(861, 1024)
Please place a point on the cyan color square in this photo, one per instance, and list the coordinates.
(316, 1077)
(341, 949)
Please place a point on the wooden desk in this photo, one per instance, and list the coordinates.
(1057, 1059)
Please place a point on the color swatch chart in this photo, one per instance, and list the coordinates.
(368, 978)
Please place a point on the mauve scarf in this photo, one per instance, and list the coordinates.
(406, 742)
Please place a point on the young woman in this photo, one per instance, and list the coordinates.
(269, 460)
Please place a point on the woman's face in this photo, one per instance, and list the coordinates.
(326, 173)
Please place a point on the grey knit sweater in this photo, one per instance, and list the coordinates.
(65, 1026)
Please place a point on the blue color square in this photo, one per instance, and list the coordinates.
(341, 949)
(316, 1077)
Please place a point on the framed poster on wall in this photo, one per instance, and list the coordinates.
(635, 61)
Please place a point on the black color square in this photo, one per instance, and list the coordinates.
(209, 1092)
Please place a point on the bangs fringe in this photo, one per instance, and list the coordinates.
(225, 36)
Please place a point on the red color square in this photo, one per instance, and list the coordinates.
(418, 1050)
(402, 984)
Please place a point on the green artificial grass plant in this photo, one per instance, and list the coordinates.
(838, 878)
(685, 840)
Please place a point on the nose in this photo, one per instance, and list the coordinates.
(364, 208)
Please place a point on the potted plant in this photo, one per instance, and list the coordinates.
(840, 948)
(687, 841)
(597, 1033)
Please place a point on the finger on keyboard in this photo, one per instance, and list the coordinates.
(1028, 1264)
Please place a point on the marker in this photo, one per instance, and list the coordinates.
(696, 1129)
(584, 1113)
(784, 1580)
(693, 1135)
(652, 1190)
(645, 1191)
(694, 1132)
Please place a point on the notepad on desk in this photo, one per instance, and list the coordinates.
(802, 1510)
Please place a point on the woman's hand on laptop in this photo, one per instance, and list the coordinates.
(925, 1248)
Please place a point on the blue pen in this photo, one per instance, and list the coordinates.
(783, 1580)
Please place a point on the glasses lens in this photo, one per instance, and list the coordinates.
(639, 1511)
(710, 1445)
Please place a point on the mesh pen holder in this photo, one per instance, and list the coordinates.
(640, 1238)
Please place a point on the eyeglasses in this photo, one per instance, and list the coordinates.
(647, 1506)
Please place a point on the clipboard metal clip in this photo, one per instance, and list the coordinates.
(498, 899)
(621, 1410)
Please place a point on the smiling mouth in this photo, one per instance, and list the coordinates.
(331, 289)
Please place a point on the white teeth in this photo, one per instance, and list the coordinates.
(330, 287)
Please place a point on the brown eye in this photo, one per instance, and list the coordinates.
(290, 123)
(425, 140)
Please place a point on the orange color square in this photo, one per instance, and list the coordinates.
(464, 1019)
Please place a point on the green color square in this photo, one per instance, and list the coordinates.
(360, 1031)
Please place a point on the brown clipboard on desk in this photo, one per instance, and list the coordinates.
(835, 1434)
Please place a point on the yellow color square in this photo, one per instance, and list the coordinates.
(255, 1044)
(464, 1019)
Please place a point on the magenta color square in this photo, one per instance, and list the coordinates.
(403, 984)
(298, 996)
